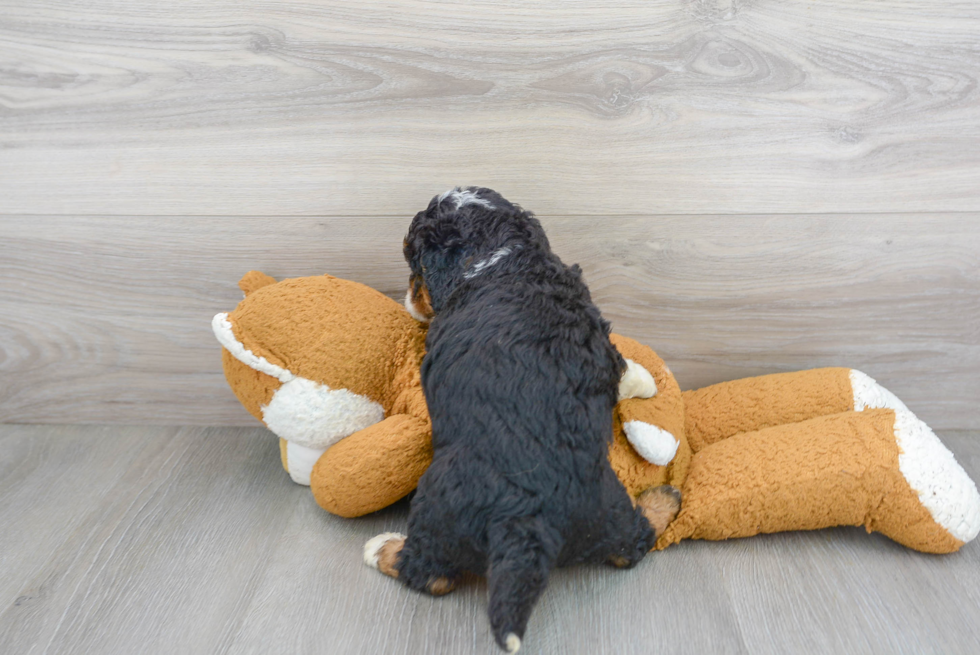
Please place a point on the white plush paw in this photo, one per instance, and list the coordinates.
(868, 394)
(636, 382)
(374, 545)
(300, 461)
(654, 444)
(942, 485)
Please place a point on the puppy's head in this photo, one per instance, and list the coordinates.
(463, 232)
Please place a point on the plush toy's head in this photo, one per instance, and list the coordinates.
(319, 358)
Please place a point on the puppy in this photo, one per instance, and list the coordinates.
(520, 379)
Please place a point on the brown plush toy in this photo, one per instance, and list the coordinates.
(332, 367)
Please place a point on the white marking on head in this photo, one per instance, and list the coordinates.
(637, 382)
(221, 327)
(462, 197)
(942, 485)
(301, 410)
(413, 310)
(484, 264)
(316, 416)
(654, 444)
(373, 547)
(300, 461)
(868, 394)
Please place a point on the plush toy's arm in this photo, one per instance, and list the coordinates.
(373, 467)
(882, 469)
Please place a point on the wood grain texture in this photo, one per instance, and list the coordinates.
(50, 494)
(164, 560)
(193, 540)
(327, 107)
(107, 319)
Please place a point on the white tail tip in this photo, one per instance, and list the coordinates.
(513, 643)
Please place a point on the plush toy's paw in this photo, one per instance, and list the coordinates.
(301, 410)
(636, 382)
(868, 394)
(299, 460)
(655, 445)
(660, 506)
(941, 484)
(381, 552)
(930, 469)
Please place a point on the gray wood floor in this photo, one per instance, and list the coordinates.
(192, 540)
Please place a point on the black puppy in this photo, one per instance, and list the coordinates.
(520, 379)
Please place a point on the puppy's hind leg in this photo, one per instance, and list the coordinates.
(631, 529)
(522, 553)
(396, 555)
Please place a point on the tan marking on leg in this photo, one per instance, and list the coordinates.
(440, 586)
(619, 561)
(660, 505)
(388, 556)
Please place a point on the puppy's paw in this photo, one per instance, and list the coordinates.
(440, 586)
(660, 505)
(636, 382)
(381, 552)
(620, 562)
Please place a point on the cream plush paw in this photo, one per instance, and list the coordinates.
(636, 382)
(868, 394)
(943, 487)
(299, 461)
(653, 444)
(930, 469)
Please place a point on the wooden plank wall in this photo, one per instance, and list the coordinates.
(750, 187)
(108, 318)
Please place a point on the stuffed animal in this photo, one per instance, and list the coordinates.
(332, 368)
(327, 363)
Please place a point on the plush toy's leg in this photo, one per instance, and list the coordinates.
(722, 410)
(880, 468)
(373, 467)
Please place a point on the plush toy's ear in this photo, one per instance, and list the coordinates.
(254, 280)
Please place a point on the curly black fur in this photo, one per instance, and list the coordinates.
(520, 379)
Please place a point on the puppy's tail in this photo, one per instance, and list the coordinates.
(522, 553)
